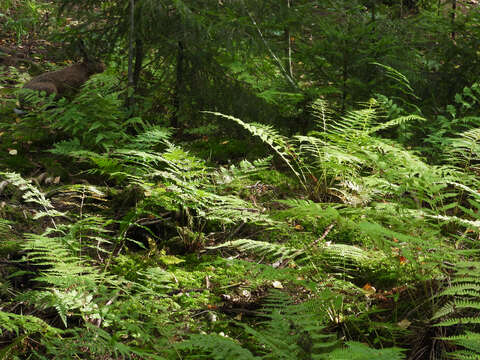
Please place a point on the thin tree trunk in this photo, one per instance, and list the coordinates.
(178, 85)
(139, 55)
(373, 11)
(344, 81)
(289, 44)
(131, 83)
(274, 56)
(454, 9)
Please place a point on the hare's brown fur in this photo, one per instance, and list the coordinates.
(65, 81)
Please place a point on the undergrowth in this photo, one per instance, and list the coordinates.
(152, 253)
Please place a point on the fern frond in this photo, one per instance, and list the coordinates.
(402, 80)
(24, 323)
(395, 122)
(151, 137)
(30, 192)
(5, 227)
(215, 347)
(455, 306)
(459, 321)
(462, 311)
(359, 351)
(301, 209)
(469, 340)
(323, 114)
(262, 248)
(277, 142)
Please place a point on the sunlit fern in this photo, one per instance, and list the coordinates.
(288, 331)
(460, 313)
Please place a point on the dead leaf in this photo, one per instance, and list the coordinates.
(404, 324)
(212, 317)
(246, 293)
(277, 284)
(369, 289)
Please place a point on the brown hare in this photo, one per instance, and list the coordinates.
(66, 81)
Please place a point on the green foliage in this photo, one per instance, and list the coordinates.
(262, 248)
(276, 141)
(288, 332)
(158, 252)
(22, 326)
(27, 324)
(215, 346)
(459, 313)
(452, 134)
(96, 117)
(28, 17)
(72, 280)
(92, 342)
(361, 351)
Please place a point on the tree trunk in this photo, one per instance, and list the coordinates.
(178, 85)
(288, 38)
(344, 81)
(131, 83)
(373, 11)
(454, 9)
(139, 55)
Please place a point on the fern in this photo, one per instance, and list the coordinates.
(359, 351)
(215, 347)
(464, 151)
(95, 343)
(396, 122)
(262, 248)
(23, 323)
(460, 312)
(23, 326)
(151, 137)
(5, 228)
(289, 331)
(188, 184)
(402, 82)
(30, 193)
(277, 142)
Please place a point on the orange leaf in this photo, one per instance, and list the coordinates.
(369, 288)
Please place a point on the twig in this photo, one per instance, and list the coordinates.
(325, 233)
(275, 57)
